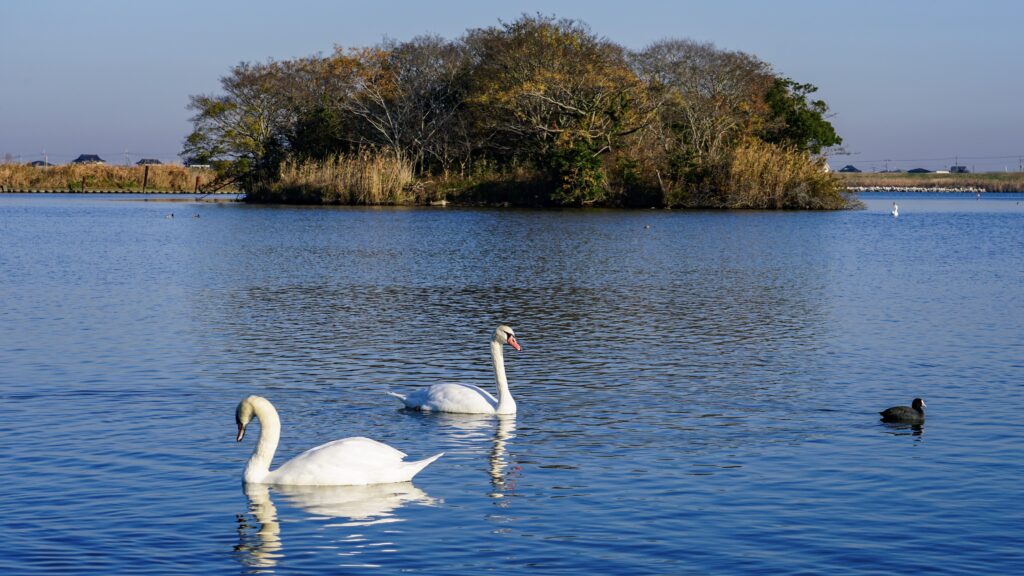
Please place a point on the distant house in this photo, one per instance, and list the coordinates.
(151, 161)
(88, 159)
(958, 170)
(849, 168)
(39, 163)
(919, 171)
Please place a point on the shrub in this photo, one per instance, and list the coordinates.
(580, 176)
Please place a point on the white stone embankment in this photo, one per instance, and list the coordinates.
(914, 189)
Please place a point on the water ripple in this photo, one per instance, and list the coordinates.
(700, 396)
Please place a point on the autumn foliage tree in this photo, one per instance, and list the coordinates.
(558, 95)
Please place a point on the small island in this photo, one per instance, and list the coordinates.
(539, 111)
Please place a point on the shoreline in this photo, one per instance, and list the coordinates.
(1010, 182)
(911, 189)
(112, 191)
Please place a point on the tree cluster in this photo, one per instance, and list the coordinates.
(539, 101)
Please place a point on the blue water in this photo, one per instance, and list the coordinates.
(699, 396)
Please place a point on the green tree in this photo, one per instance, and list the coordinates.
(795, 120)
(241, 131)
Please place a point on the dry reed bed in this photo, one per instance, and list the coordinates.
(362, 178)
(765, 176)
(102, 177)
(989, 182)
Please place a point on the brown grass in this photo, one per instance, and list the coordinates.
(988, 181)
(70, 177)
(766, 176)
(363, 178)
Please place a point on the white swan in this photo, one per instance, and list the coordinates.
(895, 210)
(466, 398)
(347, 462)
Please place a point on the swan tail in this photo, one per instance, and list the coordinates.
(417, 466)
(396, 395)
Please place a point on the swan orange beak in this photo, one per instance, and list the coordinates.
(241, 433)
(512, 342)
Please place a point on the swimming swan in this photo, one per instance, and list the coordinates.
(895, 210)
(466, 398)
(347, 462)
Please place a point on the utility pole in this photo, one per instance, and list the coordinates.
(46, 161)
(125, 156)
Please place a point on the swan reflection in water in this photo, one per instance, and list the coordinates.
(261, 544)
(469, 430)
(503, 477)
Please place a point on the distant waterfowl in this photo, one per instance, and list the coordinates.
(196, 215)
(352, 461)
(895, 210)
(467, 398)
(169, 216)
(913, 414)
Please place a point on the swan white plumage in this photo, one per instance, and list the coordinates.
(895, 210)
(466, 398)
(352, 461)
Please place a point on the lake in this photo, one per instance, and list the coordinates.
(698, 391)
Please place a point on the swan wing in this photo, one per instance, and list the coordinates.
(452, 397)
(348, 462)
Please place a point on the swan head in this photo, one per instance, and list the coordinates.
(244, 413)
(505, 335)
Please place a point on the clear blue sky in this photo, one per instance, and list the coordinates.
(907, 80)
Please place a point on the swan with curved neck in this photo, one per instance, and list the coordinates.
(352, 461)
(466, 398)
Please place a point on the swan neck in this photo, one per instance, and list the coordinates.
(270, 434)
(506, 405)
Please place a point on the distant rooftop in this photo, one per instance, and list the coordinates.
(88, 159)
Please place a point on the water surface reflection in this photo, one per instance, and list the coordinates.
(695, 397)
(262, 546)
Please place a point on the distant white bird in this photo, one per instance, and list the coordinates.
(895, 210)
(348, 462)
